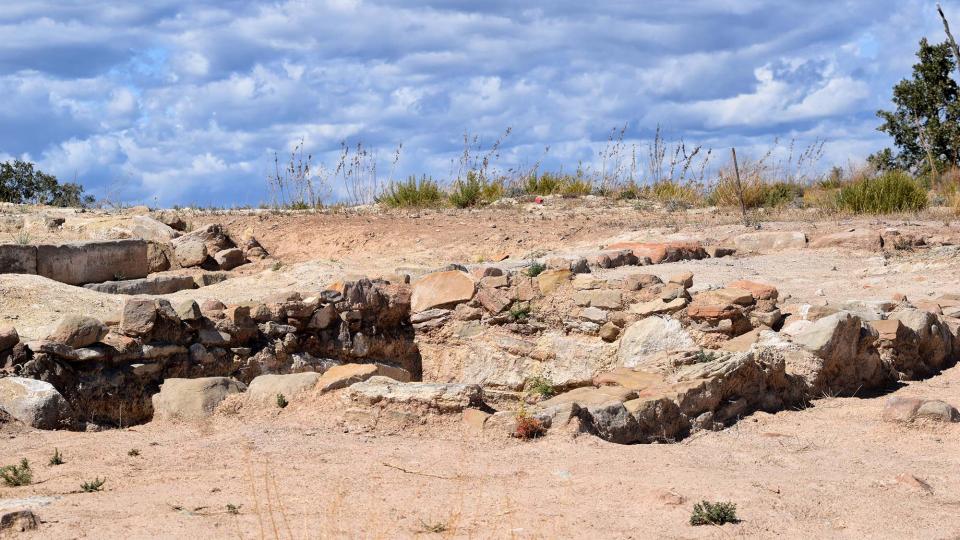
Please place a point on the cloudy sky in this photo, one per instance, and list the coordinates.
(186, 102)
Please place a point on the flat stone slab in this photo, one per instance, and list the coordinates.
(93, 262)
(149, 285)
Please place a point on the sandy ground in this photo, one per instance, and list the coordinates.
(831, 470)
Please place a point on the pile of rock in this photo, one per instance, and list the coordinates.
(108, 373)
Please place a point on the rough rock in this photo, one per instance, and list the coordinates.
(644, 338)
(230, 258)
(767, 241)
(78, 331)
(18, 521)
(190, 252)
(8, 337)
(149, 229)
(635, 282)
(657, 306)
(343, 376)
(661, 252)
(192, 399)
(760, 291)
(17, 259)
(35, 403)
(549, 280)
(861, 239)
(152, 285)
(265, 388)
(846, 359)
(442, 289)
(441, 397)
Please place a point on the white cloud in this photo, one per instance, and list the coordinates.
(186, 102)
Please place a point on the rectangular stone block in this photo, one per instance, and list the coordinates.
(17, 259)
(93, 262)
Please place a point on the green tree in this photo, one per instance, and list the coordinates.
(925, 124)
(21, 183)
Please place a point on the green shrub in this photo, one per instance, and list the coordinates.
(892, 191)
(17, 475)
(718, 513)
(56, 458)
(93, 485)
(541, 386)
(535, 269)
(412, 193)
(474, 191)
(544, 184)
(282, 401)
(757, 193)
(669, 191)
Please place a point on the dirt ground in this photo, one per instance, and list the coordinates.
(833, 470)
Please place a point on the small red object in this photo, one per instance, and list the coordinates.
(538, 200)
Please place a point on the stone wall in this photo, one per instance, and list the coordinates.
(108, 375)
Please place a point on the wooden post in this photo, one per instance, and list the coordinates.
(736, 170)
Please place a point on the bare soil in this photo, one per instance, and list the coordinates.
(831, 470)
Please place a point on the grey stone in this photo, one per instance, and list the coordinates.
(93, 262)
(35, 403)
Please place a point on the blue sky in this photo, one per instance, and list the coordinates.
(186, 102)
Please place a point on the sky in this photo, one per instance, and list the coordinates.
(174, 102)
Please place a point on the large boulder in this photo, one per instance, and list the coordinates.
(78, 331)
(93, 262)
(649, 336)
(934, 339)
(152, 319)
(192, 399)
(844, 355)
(230, 258)
(152, 230)
(442, 289)
(265, 388)
(768, 241)
(438, 397)
(190, 252)
(35, 403)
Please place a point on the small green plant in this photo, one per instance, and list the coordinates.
(233, 508)
(282, 401)
(277, 266)
(412, 193)
(527, 427)
(17, 475)
(892, 191)
(535, 269)
(133, 452)
(474, 190)
(520, 311)
(541, 386)
(22, 237)
(436, 528)
(57, 457)
(718, 513)
(703, 356)
(91, 486)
